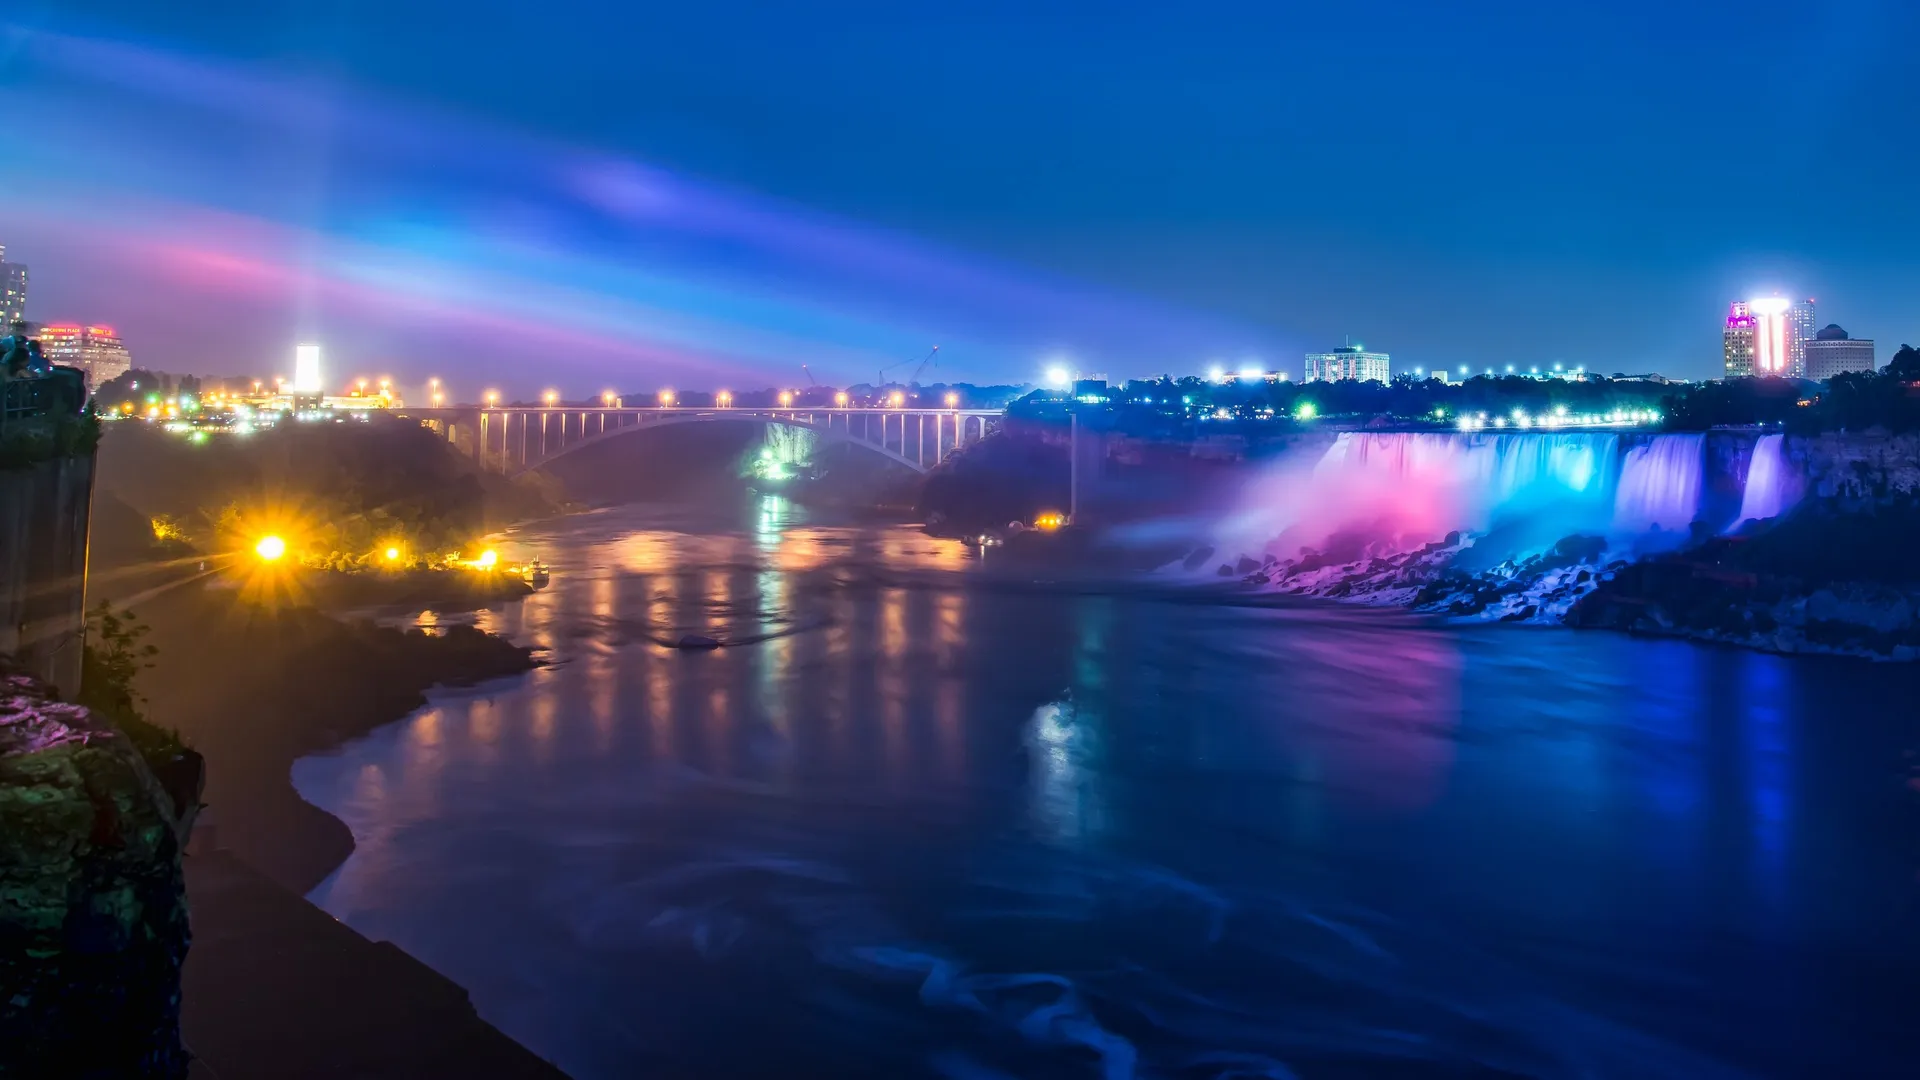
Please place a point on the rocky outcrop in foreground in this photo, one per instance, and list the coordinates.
(93, 913)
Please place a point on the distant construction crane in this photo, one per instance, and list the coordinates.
(928, 359)
(811, 381)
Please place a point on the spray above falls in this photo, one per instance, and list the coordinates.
(1378, 492)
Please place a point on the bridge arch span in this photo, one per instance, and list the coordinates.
(826, 433)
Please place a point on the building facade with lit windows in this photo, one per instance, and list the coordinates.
(1736, 341)
(95, 350)
(13, 293)
(1832, 352)
(1800, 334)
(1348, 362)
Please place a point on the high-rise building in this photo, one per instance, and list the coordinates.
(1348, 362)
(1800, 327)
(1832, 352)
(95, 350)
(13, 292)
(1737, 341)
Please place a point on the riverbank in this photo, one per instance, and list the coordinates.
(439, 589)
(253, 690)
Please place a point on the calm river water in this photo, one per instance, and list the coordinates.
(939, 820)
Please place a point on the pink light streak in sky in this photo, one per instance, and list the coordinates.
(218, 216)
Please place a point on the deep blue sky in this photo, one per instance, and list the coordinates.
(1471, 183)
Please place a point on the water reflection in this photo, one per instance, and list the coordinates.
(920, 824)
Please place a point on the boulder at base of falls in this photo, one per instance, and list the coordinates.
(93, 910)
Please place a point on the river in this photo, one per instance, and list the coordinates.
(940, 819)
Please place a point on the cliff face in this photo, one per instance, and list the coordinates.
(1858, 466)
(93, 915)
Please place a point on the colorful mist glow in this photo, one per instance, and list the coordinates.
(245, 213)
(1393, 492)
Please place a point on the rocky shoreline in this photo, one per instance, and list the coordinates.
(1805, 584)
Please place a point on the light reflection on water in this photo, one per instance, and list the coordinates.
(934, 823)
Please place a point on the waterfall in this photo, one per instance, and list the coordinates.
(1769, 487)
(782, 453)
(788, 445)
(1660, 484)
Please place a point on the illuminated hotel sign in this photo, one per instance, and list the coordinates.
(306, 369)
(1771, 345)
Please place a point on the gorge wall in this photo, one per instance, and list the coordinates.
(44, 508)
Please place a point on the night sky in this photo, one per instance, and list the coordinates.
(634, 194)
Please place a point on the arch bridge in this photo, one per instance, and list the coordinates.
(515, 439)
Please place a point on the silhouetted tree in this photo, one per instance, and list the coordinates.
(1905, 365)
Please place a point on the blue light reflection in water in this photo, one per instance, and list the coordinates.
(932, 821)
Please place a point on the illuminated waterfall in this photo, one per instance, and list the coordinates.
(782, 453)
(1660, 484)
(1433, 484)
(1769, 487)
(1387, 492)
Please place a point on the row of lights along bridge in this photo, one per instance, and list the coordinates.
(668, 399)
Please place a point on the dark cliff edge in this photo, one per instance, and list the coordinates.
(93, 906)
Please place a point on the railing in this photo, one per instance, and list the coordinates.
(25, 399)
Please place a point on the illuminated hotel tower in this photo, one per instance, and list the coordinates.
(1768, 337)
(1737, 341)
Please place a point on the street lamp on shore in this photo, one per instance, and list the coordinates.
(666, 399)
(840, 398)
(786, 398)
(606, 398)
(552, 397)
(492, 398)
(953, 400)
(724, 399)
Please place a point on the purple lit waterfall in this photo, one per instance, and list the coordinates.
(1769, 488)
(1396, 491)
(1660, 484)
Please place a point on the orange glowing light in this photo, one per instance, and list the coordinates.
(840, 398)
(666, 397)
(953, 400)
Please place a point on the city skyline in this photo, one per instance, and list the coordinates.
(238, 218)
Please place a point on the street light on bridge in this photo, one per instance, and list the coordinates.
(953, 400)
(666, 398)
(786, 398)
(840, 398)
(606, 398)
(551, 397)
(899, 399)
(724, 399)
(492, 398)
